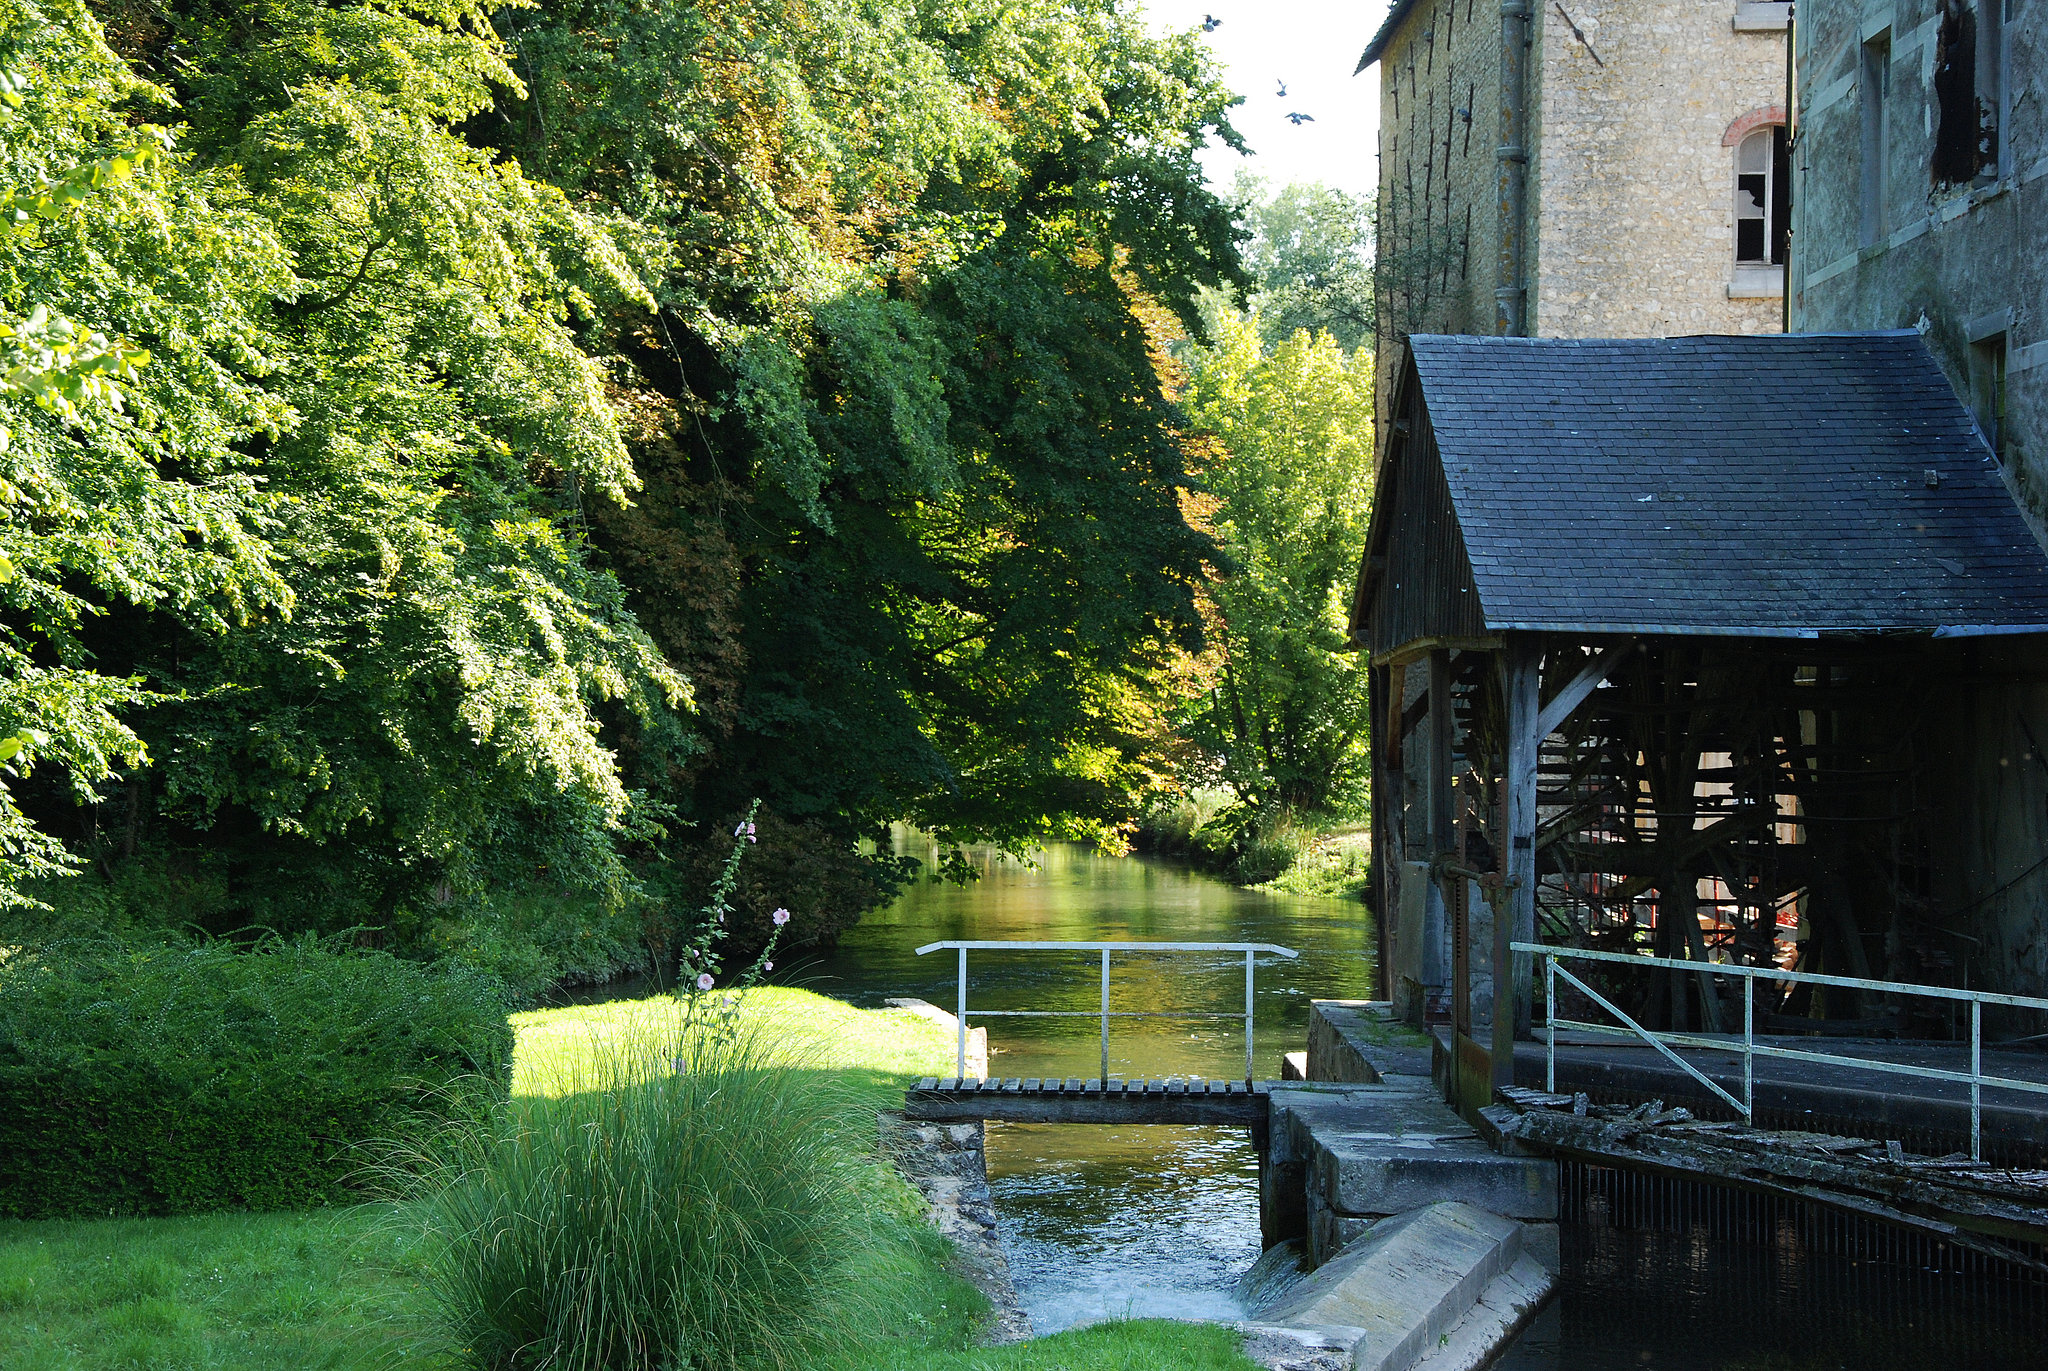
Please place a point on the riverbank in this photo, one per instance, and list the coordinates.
(343, 1288)
(1284, 852)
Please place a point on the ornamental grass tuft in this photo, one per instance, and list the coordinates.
(688, 1202)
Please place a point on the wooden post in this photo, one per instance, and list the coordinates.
(1442, 835)
(1442, 828)
(1388, 689)
(1512, 1002)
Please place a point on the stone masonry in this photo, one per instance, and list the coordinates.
(1921, 201)
(1635, 108)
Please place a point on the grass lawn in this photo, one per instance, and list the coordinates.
(339, 1289)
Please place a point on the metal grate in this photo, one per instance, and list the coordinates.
(1614, 1197)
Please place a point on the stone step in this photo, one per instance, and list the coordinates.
(1368, 1151)
(1418, 1286)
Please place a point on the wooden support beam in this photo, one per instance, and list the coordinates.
(1578, 688)
(1391, 747)
(1513, 1010)
(1416, 649)
(1442, 832)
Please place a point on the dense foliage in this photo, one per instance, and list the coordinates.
(1273, 716)
(559, 426)
(182, 1079)
(1310, 261)
(1286, 719)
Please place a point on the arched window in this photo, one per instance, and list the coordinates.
(1763, 194)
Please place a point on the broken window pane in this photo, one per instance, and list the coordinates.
(1760, 199)
(1967, 67)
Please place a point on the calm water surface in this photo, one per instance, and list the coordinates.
(1102, 1221)
(1161, 1221)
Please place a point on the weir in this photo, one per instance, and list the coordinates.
(1403, 1234)
(1422, 1243)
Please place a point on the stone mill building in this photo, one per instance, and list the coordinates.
(1584, 169)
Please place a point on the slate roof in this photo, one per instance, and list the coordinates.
(1764, 486)
(1395, 14)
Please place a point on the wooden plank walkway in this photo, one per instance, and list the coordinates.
(1033, 1100)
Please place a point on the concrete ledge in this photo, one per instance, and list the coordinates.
(1364, 1177)
(1370, 1151)
(1504, 1308)
(1345, 1044)
(1410, 1288)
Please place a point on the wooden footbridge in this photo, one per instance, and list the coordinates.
(954, 1100)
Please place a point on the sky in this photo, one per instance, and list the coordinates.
(1310, 46)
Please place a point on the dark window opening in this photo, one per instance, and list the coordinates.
(1763, 198)
(1969, 66)
(1987, 381)
(1874, 83)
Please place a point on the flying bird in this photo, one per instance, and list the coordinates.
(1210, 23)
(1299, 119)
(1283, 90)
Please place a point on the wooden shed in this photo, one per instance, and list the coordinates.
(1726, 648)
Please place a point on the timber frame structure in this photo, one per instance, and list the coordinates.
(1698, 647)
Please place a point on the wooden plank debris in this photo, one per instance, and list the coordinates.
(1982, 1206)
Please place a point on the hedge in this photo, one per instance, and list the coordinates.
(182, 1078)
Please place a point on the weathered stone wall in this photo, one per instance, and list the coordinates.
(1946, 256)
(1951, 260)
(1632, 186)
(1439, 128)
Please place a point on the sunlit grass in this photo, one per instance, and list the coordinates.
(555, 1046)
(346, 1289)
(219, 1292)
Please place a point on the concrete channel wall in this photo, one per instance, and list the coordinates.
(1424, 1247)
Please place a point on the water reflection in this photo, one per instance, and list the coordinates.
(1100, 1221)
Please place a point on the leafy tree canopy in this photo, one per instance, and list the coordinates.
(1283, 725)
(561, 425)
(1310, 261)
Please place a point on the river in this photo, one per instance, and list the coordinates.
(1102, 1222)
(1098, 1221)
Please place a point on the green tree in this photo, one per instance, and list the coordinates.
(1310, 261)
(91, 512)
(565, 424)
(1284, 723)
(366, 648)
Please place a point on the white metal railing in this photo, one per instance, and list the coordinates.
(1751, 1049)
(1250, 951)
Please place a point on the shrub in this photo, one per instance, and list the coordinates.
(538, 937)
(179, 1078)
(818, 876)
(690, 1203)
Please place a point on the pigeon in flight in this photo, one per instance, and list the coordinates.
(1210, 23)
(1299, 119)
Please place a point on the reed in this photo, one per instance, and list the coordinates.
(688, 1202)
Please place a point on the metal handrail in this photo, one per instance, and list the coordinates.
(1751, 1049)
(1250, 951)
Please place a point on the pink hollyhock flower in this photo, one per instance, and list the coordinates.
(781, 917)
(704, 981)
(767, 966)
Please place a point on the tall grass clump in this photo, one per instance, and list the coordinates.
(684, 1200)
(690, 1203)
